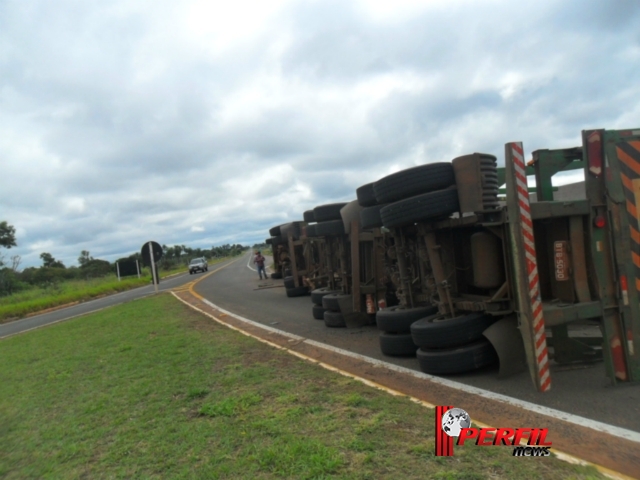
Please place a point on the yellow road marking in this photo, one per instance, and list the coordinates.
(559, 454)
(193, 284)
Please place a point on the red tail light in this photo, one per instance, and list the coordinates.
(594, 152)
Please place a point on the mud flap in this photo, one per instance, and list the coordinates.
(351, 318)
(506, 339)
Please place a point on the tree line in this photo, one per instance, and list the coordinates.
(12, 279)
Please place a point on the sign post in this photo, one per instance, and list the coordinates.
(151, 253)
(118, 270)
(153, 268)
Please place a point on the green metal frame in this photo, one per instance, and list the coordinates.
(623, 321)
(609, 252)
(546, 163)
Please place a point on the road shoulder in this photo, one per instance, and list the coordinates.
(614, 453)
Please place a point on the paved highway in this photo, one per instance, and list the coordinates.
(583, 390)
(55, 316)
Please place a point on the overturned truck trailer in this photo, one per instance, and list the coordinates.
(294, 267)
(462, 276)
(327, 243)
(539, 279)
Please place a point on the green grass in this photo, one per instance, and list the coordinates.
(152, 389)
(37, 299)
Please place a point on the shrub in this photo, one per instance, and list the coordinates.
(9, 282)
(96, 268)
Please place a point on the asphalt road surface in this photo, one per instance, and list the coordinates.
(583, 391)
(19, 326)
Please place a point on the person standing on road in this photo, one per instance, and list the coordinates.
(259, 261)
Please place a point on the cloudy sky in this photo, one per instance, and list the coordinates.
(207, 122)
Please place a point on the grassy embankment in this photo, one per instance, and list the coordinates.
(152, 389)
(41, 298)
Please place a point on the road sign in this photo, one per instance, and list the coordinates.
(151, 253)
(157, 252)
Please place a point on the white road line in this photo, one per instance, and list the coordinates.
(559, 454)
(84, 304)
(88, 302)
(251, 268)
(2, 337)
(549, 412)
(53, 323)
(251, 322)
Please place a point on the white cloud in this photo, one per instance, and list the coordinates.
(209, 122)
(221, 25)
(399, 10)
(74, 205)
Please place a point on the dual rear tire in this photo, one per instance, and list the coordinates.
(395, 325)
(453, 345)
(333, 317)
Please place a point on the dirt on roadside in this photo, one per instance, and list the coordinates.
(611, 452)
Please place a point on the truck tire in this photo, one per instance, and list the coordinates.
(332, 301)
(289, 282)
(309, 216)
(397, 344)
(277, 240)
(366, 196)
(427, 206)
(268, 241)
(276, 275)
(458, 359)
(398, 319)
(297, 291)
(292, 228)
(438, 331)
(334, 319)
(275, 231)
(311, 231)
(331, 211)
(319, 293)
(330, 227)
(318, 312)
(370, 217)
(414, 181)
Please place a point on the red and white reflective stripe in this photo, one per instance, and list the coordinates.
(540, 339)
(624, 288)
